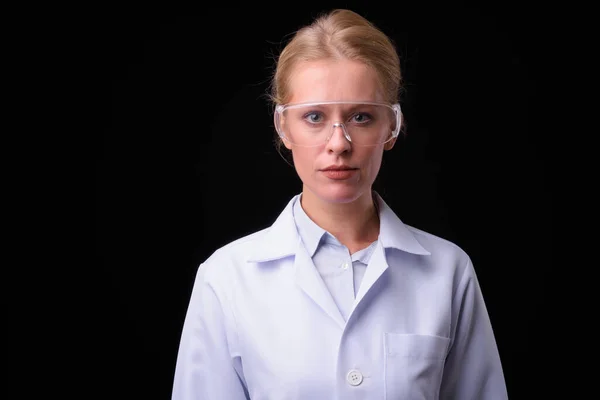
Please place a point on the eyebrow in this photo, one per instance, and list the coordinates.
(351, 107)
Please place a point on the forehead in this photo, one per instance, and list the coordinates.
(334, 80)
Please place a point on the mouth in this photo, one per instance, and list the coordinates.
(339, 173)
(340, 168)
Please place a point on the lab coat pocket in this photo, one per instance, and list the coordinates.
(413, 365)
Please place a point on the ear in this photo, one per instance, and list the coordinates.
(398, 121)
(279, 122)
(389, 145)
(287, 144)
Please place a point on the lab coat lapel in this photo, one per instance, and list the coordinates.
(308, 279)
(377, 266)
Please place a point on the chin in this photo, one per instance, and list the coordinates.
(334, 193)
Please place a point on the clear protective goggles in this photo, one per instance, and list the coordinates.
(362, 123)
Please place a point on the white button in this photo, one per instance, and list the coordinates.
(354, 377)
(345, 265)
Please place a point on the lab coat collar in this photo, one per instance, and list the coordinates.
(393, 233)
(282, 239)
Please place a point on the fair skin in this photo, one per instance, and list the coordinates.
(343, 207)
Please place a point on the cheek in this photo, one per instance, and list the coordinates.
(374, 159)
(373, 165)
(303, 161)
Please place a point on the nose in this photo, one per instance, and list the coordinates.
(339, 141)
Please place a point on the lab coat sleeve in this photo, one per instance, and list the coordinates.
(473, 370)
(206, 368)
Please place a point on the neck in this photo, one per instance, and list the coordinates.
(354, 224)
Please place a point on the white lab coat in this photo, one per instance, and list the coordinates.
(261, 323)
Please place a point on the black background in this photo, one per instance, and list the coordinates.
(186, 163)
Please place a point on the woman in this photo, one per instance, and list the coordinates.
(338, 299)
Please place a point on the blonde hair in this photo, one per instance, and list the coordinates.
(339, 34)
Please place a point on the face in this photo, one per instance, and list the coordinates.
(339, 80)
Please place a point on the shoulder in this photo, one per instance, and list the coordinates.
(231, 255)
(435, 243)
(235, 260)
(443, 251)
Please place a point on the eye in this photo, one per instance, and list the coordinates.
(313, 117)
(361, 118)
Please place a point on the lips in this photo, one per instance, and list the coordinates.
(339, 172)
(338, 168)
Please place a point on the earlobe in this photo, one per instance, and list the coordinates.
(286, 143)
(389, 145)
